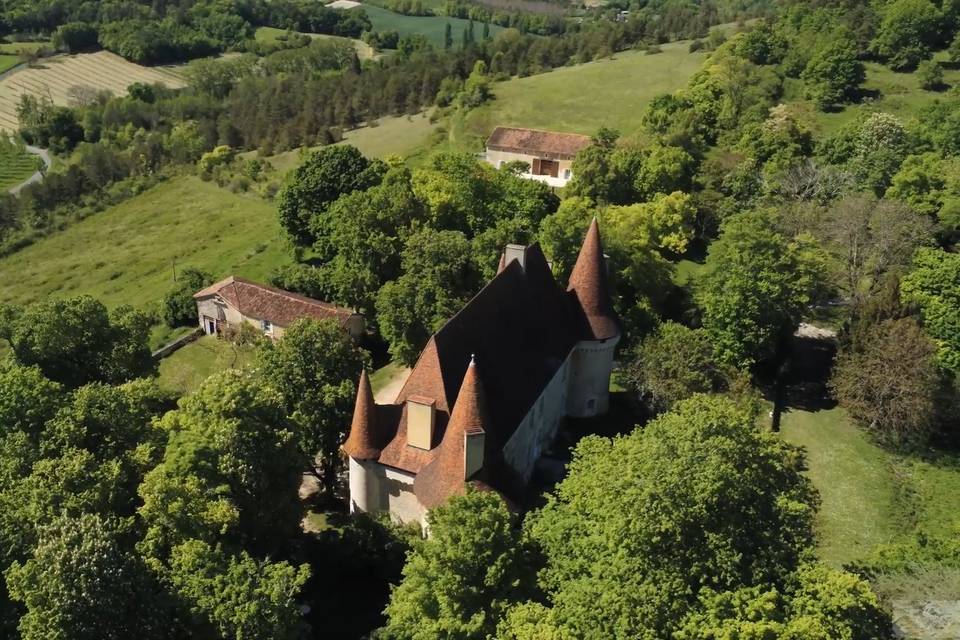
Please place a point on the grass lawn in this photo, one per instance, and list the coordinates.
(184, 370)
(271, 35)
(611, 92)
(899, 94)
(870, 495)
(431, 27)
(126, 254)
(8, 61)
(15, 166)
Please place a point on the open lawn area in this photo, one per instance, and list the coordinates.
(870, 495)
(431, 27)
(126, 254)
(271, 35)
(611, 92)
(184, 370)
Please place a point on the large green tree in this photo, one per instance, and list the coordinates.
(698, 498)
(315, 368)
(934, 285)
(460, 581)
(833, 74)
(756, 285)
(907, 33)
(178, 308)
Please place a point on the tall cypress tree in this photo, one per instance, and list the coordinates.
(447, 36)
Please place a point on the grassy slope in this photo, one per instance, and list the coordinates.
(271, 35)
(610, 92)
(8, 61)
(184, 370)
(126, 253)
(432, 27)
(15, 168)
(871, 496)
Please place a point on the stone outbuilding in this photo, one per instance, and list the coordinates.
(549, 154)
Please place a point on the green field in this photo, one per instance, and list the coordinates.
(611, 92)
(126, 254)
(28, 47)
(432, 27)
(16, 165)
(870, 495)
(184, 370)
(8, 61)
(271, 35)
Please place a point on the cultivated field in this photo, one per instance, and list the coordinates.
(126, 254)
(611, 92)
(53, 78)
(270, 35)
(16, 165)
(432, 27)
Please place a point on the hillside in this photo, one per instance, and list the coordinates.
(127, 254)
(432, 27)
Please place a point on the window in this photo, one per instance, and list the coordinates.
(267, 326)
(566, 174)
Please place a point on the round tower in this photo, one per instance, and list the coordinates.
(588, 383)
(363, 449)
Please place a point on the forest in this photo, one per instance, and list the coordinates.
(127, 511)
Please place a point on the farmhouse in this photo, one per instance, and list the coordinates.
(548, 154)
(490, 388)
(234, 301)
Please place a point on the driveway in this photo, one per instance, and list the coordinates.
(38, 175)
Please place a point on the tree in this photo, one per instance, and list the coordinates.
(697, 498)
(756, 285)
(934, 286)
(889, 382)
(230, 471)
(908, 31)
(315, 368)
(930, 75)
(673, 364)
(953, 52)
(561, 234)
(76, 341)
(833, 74)
(178, 308)
(81, 584)
(459, 582)
(447, 37)
(238, 597)
(73, 37)
(311, 187)
(436, 283)
(591, 167)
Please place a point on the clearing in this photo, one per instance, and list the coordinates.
(431, 27)
(185, 369)
(871, 495)
(271, 35)
(611, 92)
(127, 253)
(54, 77)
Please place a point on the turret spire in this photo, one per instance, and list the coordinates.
(362, 443)
(588, 281)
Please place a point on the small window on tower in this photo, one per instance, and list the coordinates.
(591, 404)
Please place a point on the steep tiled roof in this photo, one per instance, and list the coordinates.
(445, 475)
(588, 282)
(550, 144)
(365, 440)
(280, 307)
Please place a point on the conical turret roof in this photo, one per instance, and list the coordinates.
(363, 441)
(588, 281)
(444, 476)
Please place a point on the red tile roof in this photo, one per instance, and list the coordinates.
(365, 441)
(277, 306)
(588, 282)
(444, 476)
(548, 144)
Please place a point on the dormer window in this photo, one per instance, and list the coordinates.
(421, 417)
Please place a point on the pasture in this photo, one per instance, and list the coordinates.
(16, 165)
(271, 35)
(610, 92)
(185, 369)
(432, 27)
(54, 77)
(8, 61)
(127, 254)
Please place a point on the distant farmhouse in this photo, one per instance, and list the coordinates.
(234, 301)
(490, 388)
(549, 154)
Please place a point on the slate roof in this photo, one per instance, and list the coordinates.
(548, 144)
(277, 306)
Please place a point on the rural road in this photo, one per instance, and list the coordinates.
(38, 175)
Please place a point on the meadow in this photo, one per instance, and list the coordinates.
(54, 77)
(431, 27)
(127, 254)
(271, 35)
(8, 61)
(184, 370)
(16, 165)
(611, 92)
